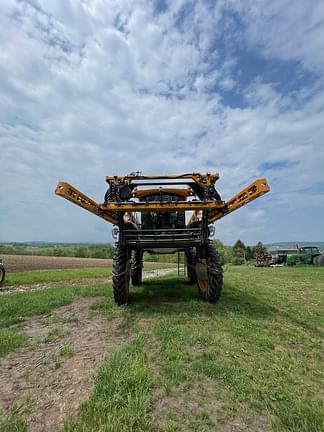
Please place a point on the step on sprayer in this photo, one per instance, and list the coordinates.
(149, 214)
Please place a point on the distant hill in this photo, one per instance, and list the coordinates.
(50, 244)
(288, 245)
(45, 244)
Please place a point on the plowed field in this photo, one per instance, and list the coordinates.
(19, 263)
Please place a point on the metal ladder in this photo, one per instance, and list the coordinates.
(182, 268)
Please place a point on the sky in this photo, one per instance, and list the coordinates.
(90, 88)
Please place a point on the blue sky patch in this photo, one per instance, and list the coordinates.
(273, 166)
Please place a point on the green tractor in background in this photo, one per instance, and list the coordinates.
(306, 255)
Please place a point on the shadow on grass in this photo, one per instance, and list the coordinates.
(174, 296)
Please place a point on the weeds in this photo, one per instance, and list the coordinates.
(67, 351)
(11, 340)
(53, 335)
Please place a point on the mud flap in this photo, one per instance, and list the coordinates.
(202, 275)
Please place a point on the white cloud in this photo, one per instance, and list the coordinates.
(285, 29)
(91, 88)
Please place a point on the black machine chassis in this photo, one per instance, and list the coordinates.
(131, 237)
(192, 240)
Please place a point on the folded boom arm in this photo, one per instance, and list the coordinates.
(256, 189)
(216, 209)
(72, 194)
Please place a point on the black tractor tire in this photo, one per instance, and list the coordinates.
(136, 267)
(120, 275)
(191, 260)
(210, 290)
(319, 260)
(2, 274)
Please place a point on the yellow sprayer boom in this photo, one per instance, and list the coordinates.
(150, 215)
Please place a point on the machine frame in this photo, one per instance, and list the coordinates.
(129, 197)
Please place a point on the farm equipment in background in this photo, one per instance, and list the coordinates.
(2, 273)
(306, 255)
(279, 255)
(263, 259)
(149, 214)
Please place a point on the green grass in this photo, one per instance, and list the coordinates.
(11, 340)
(121, 399)
(67, 351)
(53, 335)
(47, 276)
(15, 308)
(251, 362)
(258, 351)
(14, 421)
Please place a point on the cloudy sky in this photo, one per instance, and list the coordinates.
(90, 88)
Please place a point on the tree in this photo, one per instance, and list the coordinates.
(239, 253)
(221, 250)
(248, 253)
(58, 251)
(259, 248)
(239, 245)
(81, 252)
(225, 252)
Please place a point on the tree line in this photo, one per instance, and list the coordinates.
(60, 250)
(237, 254)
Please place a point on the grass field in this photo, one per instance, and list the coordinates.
(252, 362)
(47, 276)
(62, 275)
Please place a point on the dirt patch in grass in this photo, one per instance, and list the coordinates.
(48, 285)
(188, 405)
(55, 383)
(200, 406)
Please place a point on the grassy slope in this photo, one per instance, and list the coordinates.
(47, 276)
(251, 362)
